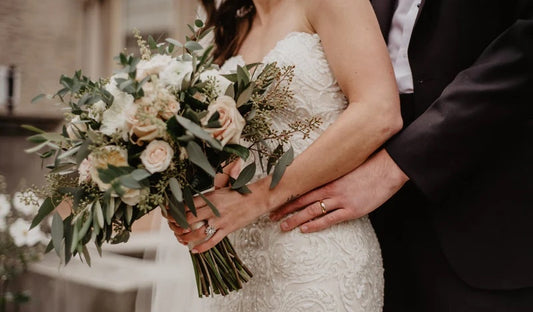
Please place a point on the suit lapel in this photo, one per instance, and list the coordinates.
(422, 2)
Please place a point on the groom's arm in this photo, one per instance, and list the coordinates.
(479, 108)
(484, 102)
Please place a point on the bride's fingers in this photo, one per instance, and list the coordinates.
(210, 243)
(177, 229)
(194, 236)
(307, 214)
(297, 204)
(326, 221)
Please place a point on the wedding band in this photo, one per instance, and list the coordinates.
(323, 206)
(210, 231)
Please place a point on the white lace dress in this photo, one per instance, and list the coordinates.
(339, 269)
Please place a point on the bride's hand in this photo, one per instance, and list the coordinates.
(236, 211)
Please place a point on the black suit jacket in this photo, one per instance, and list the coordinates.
(467, 143)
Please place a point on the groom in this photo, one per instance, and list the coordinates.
(455, 187)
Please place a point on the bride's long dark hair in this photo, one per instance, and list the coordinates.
(233, 19)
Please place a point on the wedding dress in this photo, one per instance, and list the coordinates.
(338, 269)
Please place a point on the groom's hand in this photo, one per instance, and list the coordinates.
(350, 197)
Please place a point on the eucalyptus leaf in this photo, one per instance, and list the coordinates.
(245, 95)
(129, 182)
(140, 174)
(198, 132)
(86, 255)
(284, 161)
(57, 233)
(193, 46)
(244, 177)
(188, 199)
(85, 227)
(98, 213)
(175, 188)
(238, 150)
(174, 42)
(197, 157)
(36, 139)
(46, 208)
(210, 204)
(38, 97)
(32, 128)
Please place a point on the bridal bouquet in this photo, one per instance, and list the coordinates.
(154, 135)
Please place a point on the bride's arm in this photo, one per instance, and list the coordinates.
(359, 59)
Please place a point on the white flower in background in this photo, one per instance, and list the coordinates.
(76, 126)
(157, 156)
(84, 171)
(231, 121)
(152, 66)
(222, 83)
(27, 203)
(109, 155)
(5, 205)
(96, 110)
(114, 118)
(174, 74)
(22, 235)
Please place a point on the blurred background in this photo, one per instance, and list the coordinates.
(39, 41)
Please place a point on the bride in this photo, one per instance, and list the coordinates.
(342, 74)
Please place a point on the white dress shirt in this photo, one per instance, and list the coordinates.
(402, 25)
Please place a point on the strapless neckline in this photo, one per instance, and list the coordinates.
(288, 36)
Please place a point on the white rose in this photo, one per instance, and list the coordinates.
(5, 205)
(84, 171)
(75, 127)
(109, 155)
(174, 74)
(231, 121)
(22, 235)
(114, 118)
(222, 83)
(96, 110)
(152, 66)
(27, 203)
(157, 156)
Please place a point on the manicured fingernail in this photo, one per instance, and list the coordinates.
(284, 226)
(303, 228)
(194, 251)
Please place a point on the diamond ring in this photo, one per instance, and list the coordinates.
(210, 231)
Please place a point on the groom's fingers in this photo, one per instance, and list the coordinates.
(307, 214)
(324, 222)
(297, 204)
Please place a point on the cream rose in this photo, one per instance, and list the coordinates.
(131, 196)
(157, 156)
(231, 121)
(109, 155)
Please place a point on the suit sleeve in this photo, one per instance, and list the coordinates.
(477, 110)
